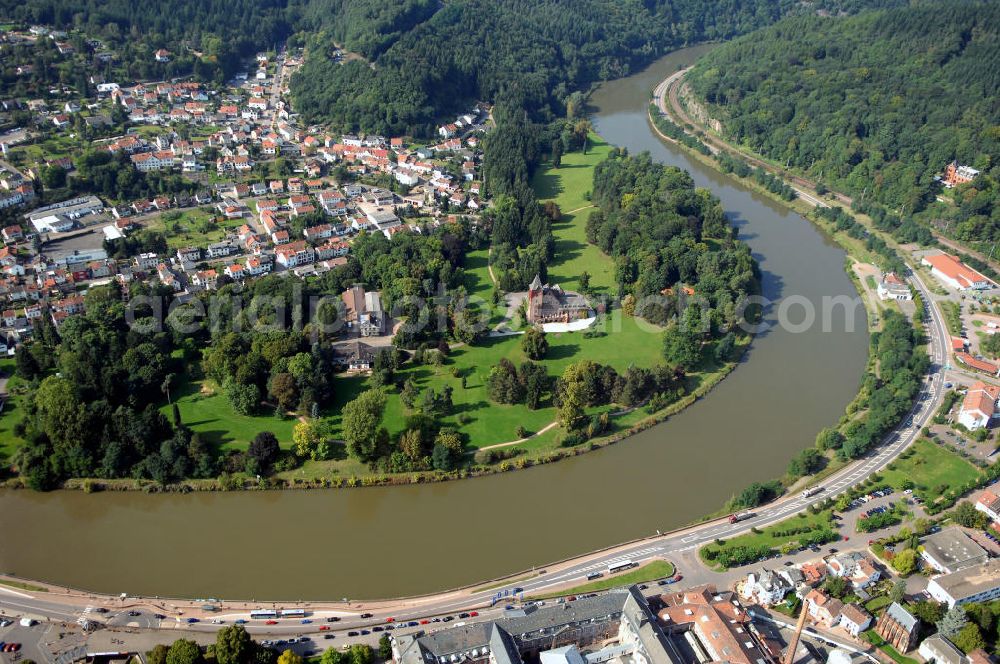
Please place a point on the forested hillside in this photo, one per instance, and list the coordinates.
(222, 30)
(875, 104)
(530, 54)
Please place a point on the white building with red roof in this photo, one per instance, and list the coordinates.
(979, 406)
(954, 273)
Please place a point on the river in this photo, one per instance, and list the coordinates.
(393, 541)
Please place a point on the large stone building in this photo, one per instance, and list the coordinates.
(899, 627)
(616, 624)
(552, 304)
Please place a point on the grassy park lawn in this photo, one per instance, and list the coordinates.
(569, 186)
(656, 569)
(195, 227)
(206, 410)
(773, 537)
(11, 415)
(929, 466)
(627, 343)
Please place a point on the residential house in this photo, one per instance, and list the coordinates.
(893, 288)
(854, 566)
(823, 609)
(221, 249)
(936, 649)
(12, 234)
(207, 279)
(766, 587)
(354, 356)
(989, 504)
(956, 174)
(146, 261)
(191, 254)
(320, 232)
(236, 272)
(979, 406)
(854, 619)
(295, 254)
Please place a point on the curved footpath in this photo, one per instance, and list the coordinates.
(65, 605)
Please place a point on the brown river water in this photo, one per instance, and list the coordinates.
(395, 541)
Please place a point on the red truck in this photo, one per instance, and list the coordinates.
(740, 516)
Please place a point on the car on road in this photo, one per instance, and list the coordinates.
(365, 632)
(218, 621)
(333, 619)
(240, 621)
(324, 628)
(390, 619)
(133, 613)
(448, 618)
(352, 633)
(473, 614)
(412, 623)
(192, 621)
(306, 621)
(367, 615)
(425, 621)
(271, 622)
(377, 628)
(329, 636)
(463, 615)
(159, 616)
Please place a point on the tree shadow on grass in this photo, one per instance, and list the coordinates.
(469, 407)
(562, 351)
(548, 184)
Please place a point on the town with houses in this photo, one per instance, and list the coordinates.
(225, 141)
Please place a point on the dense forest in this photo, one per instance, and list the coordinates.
(529, 54)
(875, 105)
(221, 31)
(669, 239)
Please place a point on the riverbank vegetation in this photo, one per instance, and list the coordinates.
(804, 530)
(875, 105)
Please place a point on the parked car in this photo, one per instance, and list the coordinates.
(473, 613)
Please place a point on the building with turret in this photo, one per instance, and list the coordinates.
(552, 304)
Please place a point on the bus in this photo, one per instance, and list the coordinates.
(620, 566)
(263, 614)
(293, 613)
